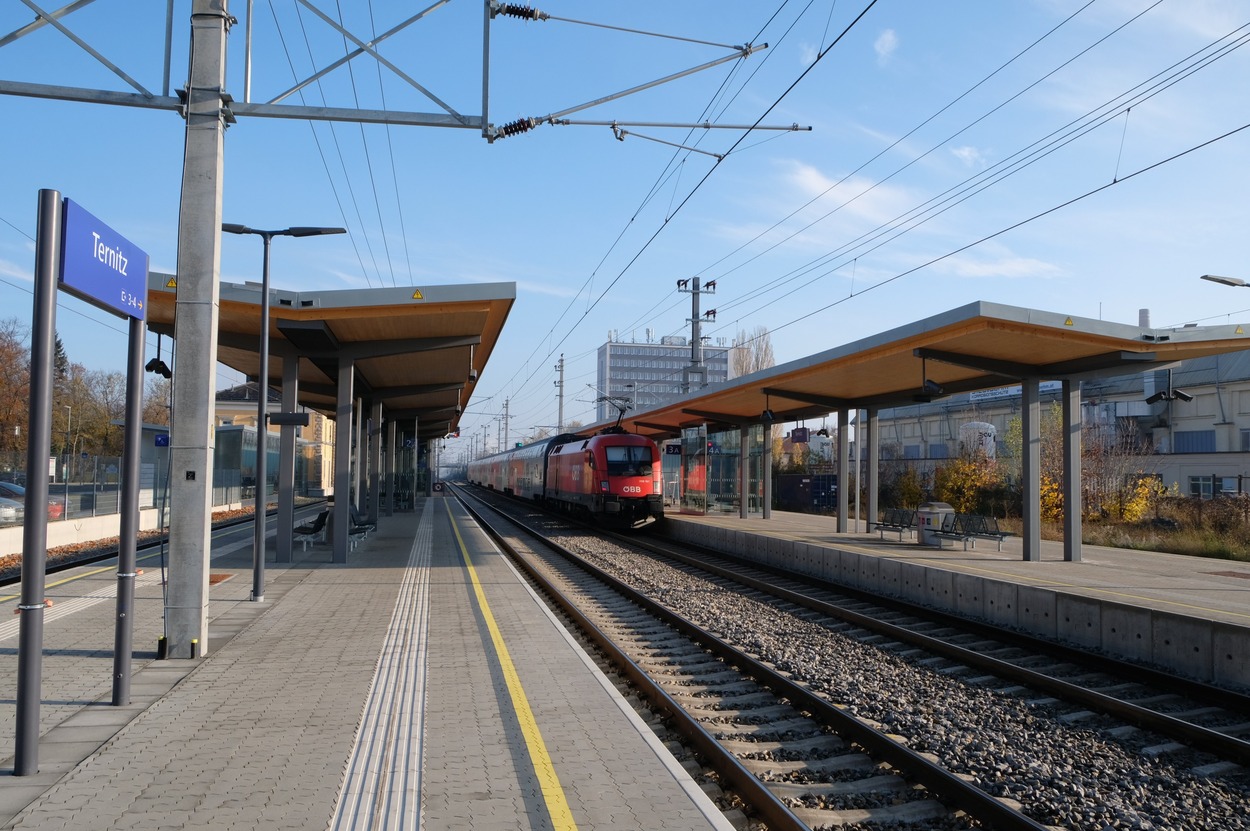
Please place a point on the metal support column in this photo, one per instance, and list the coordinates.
(766, 474)
(1031, 418)
(341, 516)
(1073, 507)
(844, 467)
(392, 455)
(375, 461)
(286, 461)
(873, 440)
(360, 441)
(744, 472)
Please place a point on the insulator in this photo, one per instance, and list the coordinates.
(522, 12)
(521, 125)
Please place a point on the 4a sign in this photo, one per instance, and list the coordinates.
(101, 266)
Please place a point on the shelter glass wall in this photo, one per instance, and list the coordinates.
(711, 470)
(694, 470)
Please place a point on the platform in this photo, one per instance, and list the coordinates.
(1187, 614)
(423, 685)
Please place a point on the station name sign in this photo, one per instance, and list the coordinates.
(101, 266)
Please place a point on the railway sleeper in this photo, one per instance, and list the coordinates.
(918, 810)
(818, 747)
(701, 703)
(800, 727)
(870, 784)
(815, 767)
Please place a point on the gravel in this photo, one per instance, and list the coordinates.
(1064, 775)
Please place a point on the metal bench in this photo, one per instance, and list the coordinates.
(900, 520)
(968, 528)
(983, 527)
(952, 529)
(312, 531)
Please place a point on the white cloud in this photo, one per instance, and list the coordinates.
(10, 269)
(970, 156)
(997, 261)
(885, 45)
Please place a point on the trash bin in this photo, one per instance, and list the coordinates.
(929, 518)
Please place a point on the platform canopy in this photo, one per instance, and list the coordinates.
(974, 347)
(417, 350)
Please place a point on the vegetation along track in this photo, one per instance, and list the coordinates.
(1067, 764)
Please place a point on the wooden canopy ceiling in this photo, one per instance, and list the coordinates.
(978, 346)
(417, 350)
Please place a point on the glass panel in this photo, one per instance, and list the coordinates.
(694, 470)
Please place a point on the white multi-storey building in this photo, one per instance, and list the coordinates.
(647, 375)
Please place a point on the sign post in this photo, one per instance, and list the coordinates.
(80, 254)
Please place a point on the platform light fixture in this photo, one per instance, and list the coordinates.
(262, 387)
(1236, 282)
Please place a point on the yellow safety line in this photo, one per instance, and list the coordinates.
(553, 793)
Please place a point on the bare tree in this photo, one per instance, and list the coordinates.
(752, 351)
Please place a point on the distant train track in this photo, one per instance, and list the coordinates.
(90, 557)
(1070, 745)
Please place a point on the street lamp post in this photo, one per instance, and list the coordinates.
(69, 457)
(261, 500)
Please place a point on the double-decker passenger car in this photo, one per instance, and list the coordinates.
(613, 476)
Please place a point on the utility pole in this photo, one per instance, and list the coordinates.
(560, 396)
(507, 436)
(694, 377)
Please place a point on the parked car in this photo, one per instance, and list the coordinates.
(12, 512)
(56, 504)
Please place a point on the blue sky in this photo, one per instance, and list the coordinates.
(813, 235)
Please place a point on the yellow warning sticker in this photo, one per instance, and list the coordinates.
(1068, 322)
(1239, 331)
(416, 294)
(172, 284)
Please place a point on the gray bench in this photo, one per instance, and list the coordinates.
(968, 528)
(900, 520)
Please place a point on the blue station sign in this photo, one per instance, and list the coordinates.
(101, 266)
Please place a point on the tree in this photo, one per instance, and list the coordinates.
(752, 351)
(14, 385)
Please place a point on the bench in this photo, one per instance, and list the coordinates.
(900, 520)
(984, 527)
(968, 528)
(312, 531)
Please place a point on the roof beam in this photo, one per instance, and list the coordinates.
(724, 418)
(1122, 359)
(384, 393)
(810, 398)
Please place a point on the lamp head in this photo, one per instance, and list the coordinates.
(1225, 281)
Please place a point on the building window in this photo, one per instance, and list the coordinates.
(939, 451)
(1201, 486)
(1195, 441)
(911, 451)
(1245, 441)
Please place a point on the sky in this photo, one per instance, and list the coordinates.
(1085, 158)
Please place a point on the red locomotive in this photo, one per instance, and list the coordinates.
(613, 476)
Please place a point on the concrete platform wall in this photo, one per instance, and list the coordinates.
(1202, 649)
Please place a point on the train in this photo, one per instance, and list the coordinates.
(614, 477)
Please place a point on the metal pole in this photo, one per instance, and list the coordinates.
(261, 500)
(123, 639)
(35, 529)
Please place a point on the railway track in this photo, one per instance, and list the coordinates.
(1010, 735)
